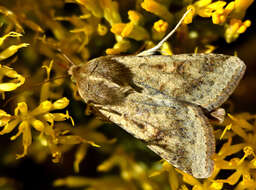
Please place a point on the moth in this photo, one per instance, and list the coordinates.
(162, 100)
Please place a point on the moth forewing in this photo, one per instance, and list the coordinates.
(176, 131)
(159, 99)
(202, 79)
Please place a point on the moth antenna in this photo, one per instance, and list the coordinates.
(66, 57)
(31, 87)
(155, 48)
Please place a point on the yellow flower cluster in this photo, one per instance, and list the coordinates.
(221, 13)
(40, 119)
(114, 27)
(5, 71)
(235, 28)
(130, 172)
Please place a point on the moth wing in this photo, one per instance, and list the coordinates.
(176, 131)
(202, 79)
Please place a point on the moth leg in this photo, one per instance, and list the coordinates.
(219, 114)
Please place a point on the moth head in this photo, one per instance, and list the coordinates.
(73, 71)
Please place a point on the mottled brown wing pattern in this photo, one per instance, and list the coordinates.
(176, 131)
(202, 79)
(103, 81)
(159, 99)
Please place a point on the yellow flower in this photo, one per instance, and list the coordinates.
(4, 118)
(60, 104)
(216, 10)
(130, 30)
(11, 50)
(104, 183)
(160, 26)
(202, 3)
(159, 30)
(188, 19)
(242, 167)
(48, 69)
(10, 34)
(216, 5)
(46, 89)
(198, 8)
(37, 118)
(92, 6)
(209, 49)
(13, 18)
(17, 79)
(119, 47)
(202, 9)
(135, 17)
(220, 15)
(228, 127)
(102, 29)
(241, 170)
(208, 9)
(118, 28)
(129, 169)
(166, 49)
(157, 9)
(135, 32)
(173, 175)
(110, 11)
